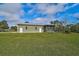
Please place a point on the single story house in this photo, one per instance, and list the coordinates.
(27, 27)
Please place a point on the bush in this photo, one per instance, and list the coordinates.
(67, 30)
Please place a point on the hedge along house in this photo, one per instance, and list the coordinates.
(30, 28)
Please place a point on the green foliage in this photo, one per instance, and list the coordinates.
(66, 28)
(3, 25)
(26, 22)
(13, 28)
(58, 27)
(75, 28)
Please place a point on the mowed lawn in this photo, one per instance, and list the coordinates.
(39, 44)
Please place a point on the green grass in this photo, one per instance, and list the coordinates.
(39, 44)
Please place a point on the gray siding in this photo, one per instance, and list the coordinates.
(30, 28)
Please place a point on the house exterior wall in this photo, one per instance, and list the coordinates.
(30, 28)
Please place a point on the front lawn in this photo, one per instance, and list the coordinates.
(39, 44)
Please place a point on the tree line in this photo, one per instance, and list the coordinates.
(62, 26)
(59, 26)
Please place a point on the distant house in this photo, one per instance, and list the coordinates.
(26, 28)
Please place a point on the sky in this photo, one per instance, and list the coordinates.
(39, 13)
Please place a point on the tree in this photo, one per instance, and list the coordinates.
(57, 25)
(75, 28)
(13, 28)
(67, 28)
(51, 22)
(26, 22)
(3, 25)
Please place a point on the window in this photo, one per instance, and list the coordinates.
(26, 27)
(35, 28)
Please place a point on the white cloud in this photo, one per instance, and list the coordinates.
(10, 7)
(50, 10)
(41, 20)
(46, 8)
(76, 15)
(21, 13)
(12, 19)
(12, 13)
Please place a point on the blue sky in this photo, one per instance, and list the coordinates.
(40, 13)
